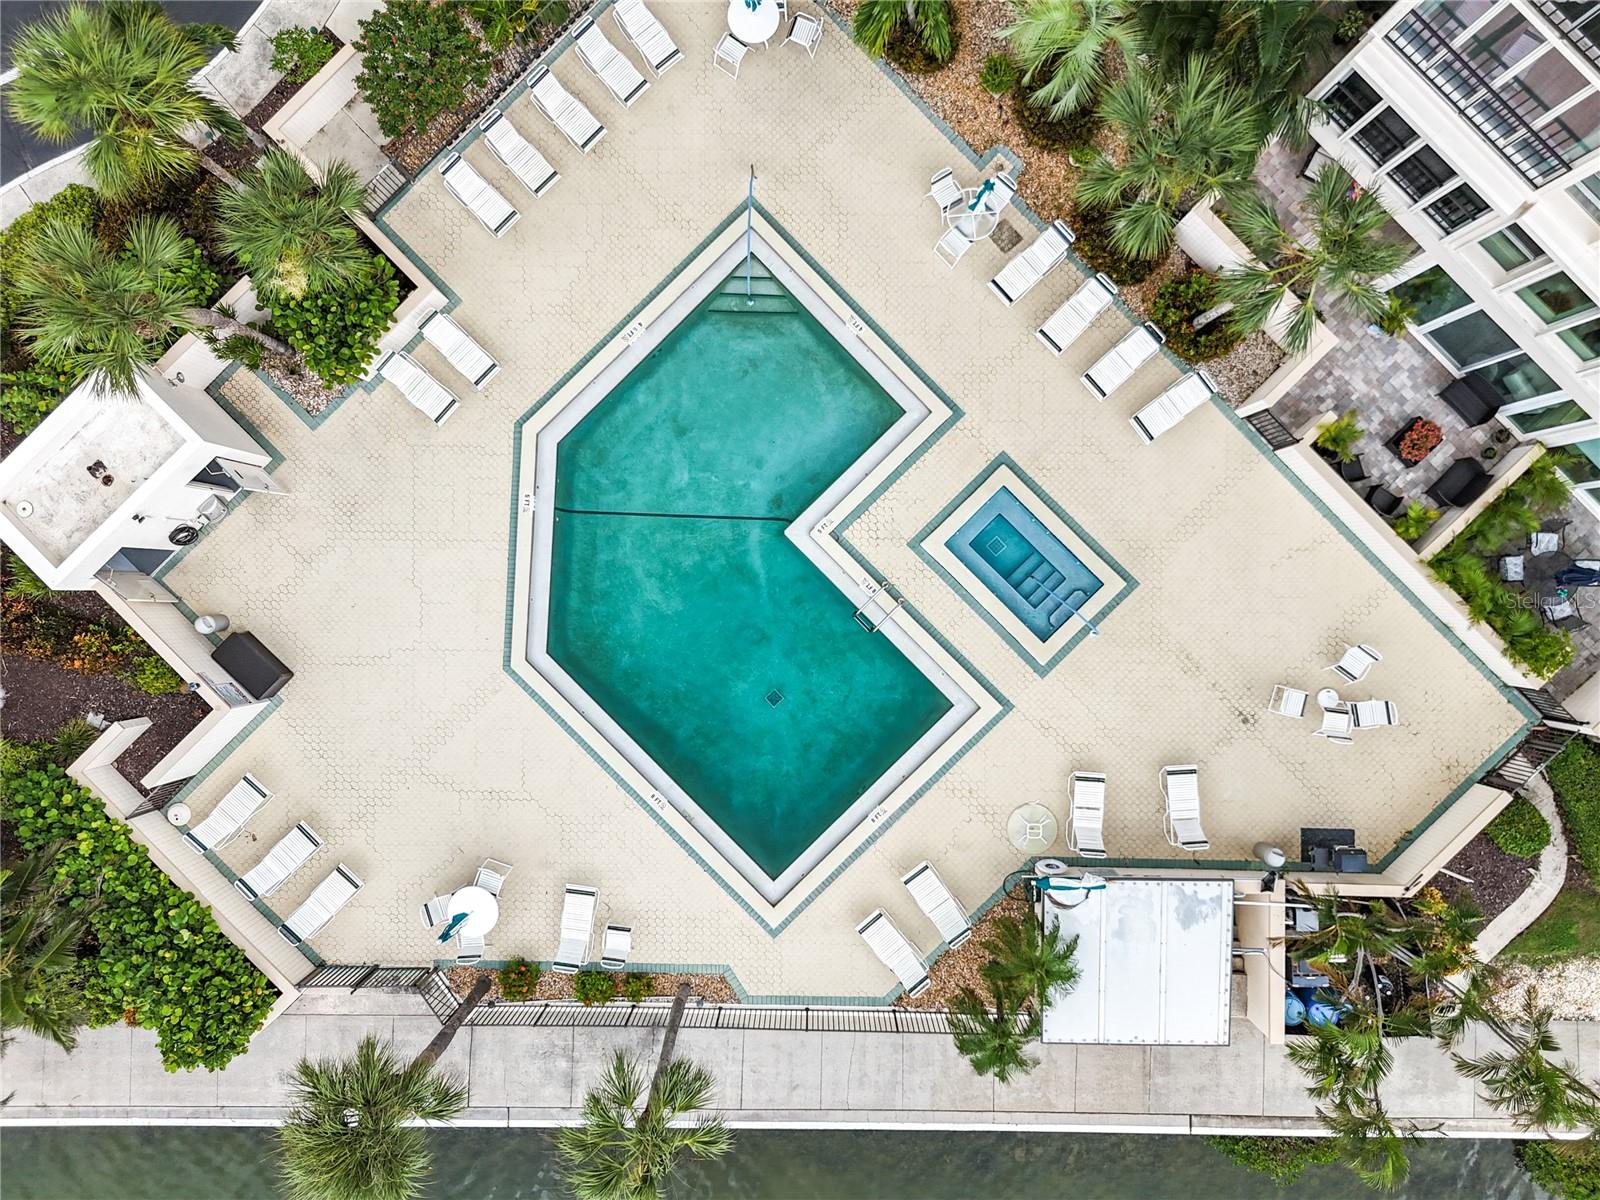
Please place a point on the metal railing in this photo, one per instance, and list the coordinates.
(1273, 431)
(357, 977)
(1529, 758)
(649, 1014)
(1575, 34)
(1548, 707)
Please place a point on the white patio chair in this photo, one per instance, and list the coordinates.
(648, 35)
(1287, 701)
(615, 944)
(324, 903)
(608, 64)
(1173, 405)
(491, 876)
(427, 394)
(1001, 194)
(806, 32)
(517, 154)
(1559, 608)
(938, 904)
(564, 110)
(944, 190)
(894, 951)
(1117, 365)
(470, 360)
(243, 800)
(1180, 788)
(1049, 251)
(950, 248)
(1368, 714)
(436, 911)
(1067, 324)
(577, 927)
(1544, 541)
(1337, 722)
(469, 948)
(480, 196)
(1086, 833)
(1355, 664)
(728, 52)
(292, 851)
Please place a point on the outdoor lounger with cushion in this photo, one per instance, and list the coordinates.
(470, 360)
(608, 64)
(565, 111)
(1357, 661)
(1173, 405)
(322, 906)
(520, 156)
(293, 851)
(1367, 714)
(577, 927)
(1067, 323)
(479, 195)
(1117, 365)
(243, 801)
(426, 393)
(648, 35)
(1087, 836)
(938, 904)
(1180, 786)
(1049, 250)
(894, 951)
(615, 944)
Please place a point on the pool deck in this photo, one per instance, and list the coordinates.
(382, 580)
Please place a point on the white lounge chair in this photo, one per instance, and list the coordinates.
(1368, 714)
(470, 360)
(293, 851)
(427, 394)
(517, 154)
(894, 951)
(479, 195)
(615, 943)
(324, 903)
(944, 190)
(1287, 701)
(577, 927)
(648, 35)
(938, 904)
(1067, 324)
(469, 948)
(1355, 664)
(1117, 365)
(1049, 251)
(1337, 722)
(243, 801)
(1173, 405)
(728, 52)
(608, 64)
(435, 911)
(491, 877)
(564, 110)
(806, 32)
(952, 246)
(1087, 833)
(1180, 786)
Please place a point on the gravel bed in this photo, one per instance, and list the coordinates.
(304, 388)
(1571, 989)
(1246, 367)
(553, 986)
(1497, 878)
(961, 967)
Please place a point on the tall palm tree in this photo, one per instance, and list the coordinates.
(294, 234)
(1030, 961)
(346, 1136)
(1336, 265)
(39, 985)
(1061, 46)
(1183, 137)
(121, 71)
(105, 314)
(1368, 1140)
(1537, 1091)
(993, 1034)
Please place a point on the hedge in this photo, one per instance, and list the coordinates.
(1520, 829)
(1567, 1170)
(1575, 775)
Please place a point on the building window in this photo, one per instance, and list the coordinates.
(1350, 100)
(1457, 207)
(1584, 339)
(1555, 298)
(1384, 136)
(1587, 193)
(1472, 339)
(1552, 416)
(1421, 173)
(1502, 44)
(1517, 378)
(1511, 248)
(1433, 294)
(1548, 82)
(1577, 130)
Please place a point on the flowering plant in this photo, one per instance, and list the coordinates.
(1419, 441)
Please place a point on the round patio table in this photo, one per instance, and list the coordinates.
(482, 910)
(1327, 698)
(975, 225)
(1032, 828)
(753, 25)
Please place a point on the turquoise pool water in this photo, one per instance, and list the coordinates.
(679, 605)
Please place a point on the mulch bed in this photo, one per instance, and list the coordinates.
(283, 91)
(553, 986)
(1497, 878)
(233, 158)
(961, 967)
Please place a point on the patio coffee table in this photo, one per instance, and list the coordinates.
(481, 907)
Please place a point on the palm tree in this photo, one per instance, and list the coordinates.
(106, 314)
(1183, 137)
(1538, 1092)
(1030, 961)
(995, 1039)
(295, 235)
(875, 22)
(122, 72)
(346, 1136)
(1343, 1060)
(39, 986)
(1368, 1140)
(1337, 264)
(1061, 46)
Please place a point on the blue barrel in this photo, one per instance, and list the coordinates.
(1294, 1011)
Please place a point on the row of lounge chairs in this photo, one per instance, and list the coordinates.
(894, 949)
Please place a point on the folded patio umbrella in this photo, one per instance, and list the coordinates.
(1578, 577)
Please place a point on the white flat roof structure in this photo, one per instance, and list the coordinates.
(1153, 961)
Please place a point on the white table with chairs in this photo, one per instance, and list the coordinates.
(479, 907)
(752, 25)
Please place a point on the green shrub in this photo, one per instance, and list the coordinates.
(151, 675)
(30, 393)
(1093, 229)
(1177, 303)
(18, 758)
(200, 281)
(71, 740)
(1575, 776)
(1417, 519)
(1567, 1170)
(1280, 1158)
(159, 960)
(1528, 640)
(504, 21)
(637, 986)
(921, 49)
(22, 582)
(594, 987)
(1075, 131)
(518, 979)
(338, 330)
(75, 203)
(1350, 28)
(1519, 829)
(1339, 437)
(419, 60)
(1000, 74)
(298, 54)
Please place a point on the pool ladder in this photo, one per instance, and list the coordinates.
(879, 607)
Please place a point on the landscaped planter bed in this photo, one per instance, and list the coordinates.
(961, 967)
(1497, 878)
(553, 986)
(284, 91)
